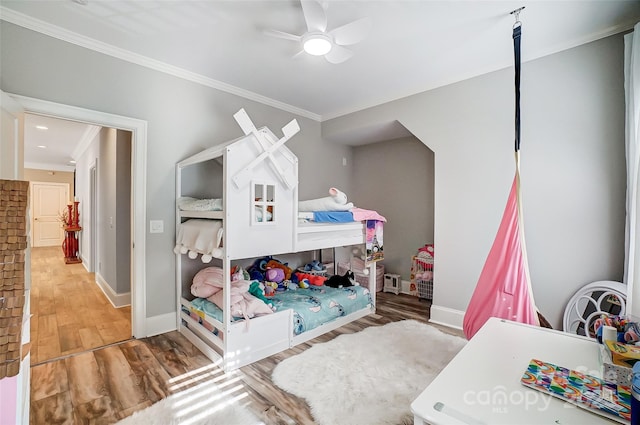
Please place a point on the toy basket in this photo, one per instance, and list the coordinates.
(422, 276)
(361, 278)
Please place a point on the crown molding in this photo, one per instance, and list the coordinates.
(88, 136)
(60, 33)
(25, 21)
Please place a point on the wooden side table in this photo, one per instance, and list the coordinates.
(70, 245)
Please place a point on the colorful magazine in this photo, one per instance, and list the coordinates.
(586, 391)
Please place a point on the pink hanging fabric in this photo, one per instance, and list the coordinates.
(504, 287)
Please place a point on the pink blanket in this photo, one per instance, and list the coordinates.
(360, 214)
(209, 283)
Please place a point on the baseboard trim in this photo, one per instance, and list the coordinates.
(160, 324)
(446, 316)
(84, 263)
(117, 300)
(405, 287)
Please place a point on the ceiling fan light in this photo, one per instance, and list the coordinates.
(317, 45)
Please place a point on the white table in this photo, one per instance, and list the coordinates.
(481, 385)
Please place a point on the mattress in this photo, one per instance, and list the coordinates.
(311, 307)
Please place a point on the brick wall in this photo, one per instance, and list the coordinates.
(14, 196)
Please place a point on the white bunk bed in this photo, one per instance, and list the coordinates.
(255, 177)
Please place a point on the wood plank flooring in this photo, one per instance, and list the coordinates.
(70, 312)
(105, 385)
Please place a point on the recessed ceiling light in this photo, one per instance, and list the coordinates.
(72, 162)
(42, 127)
(42, 146)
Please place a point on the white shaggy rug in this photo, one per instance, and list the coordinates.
(205, 409)
(370, 377)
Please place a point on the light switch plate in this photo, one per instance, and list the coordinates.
(156, 226)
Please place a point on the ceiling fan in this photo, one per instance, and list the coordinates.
(318, 41)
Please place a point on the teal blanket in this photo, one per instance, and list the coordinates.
(311, 307)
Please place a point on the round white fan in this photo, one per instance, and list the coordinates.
(320, 42)
(590, 302)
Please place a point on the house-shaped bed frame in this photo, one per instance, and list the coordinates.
(256, 176)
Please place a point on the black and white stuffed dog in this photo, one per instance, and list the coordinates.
(338, 281)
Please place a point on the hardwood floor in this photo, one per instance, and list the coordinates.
(105, 385)
(70, 312)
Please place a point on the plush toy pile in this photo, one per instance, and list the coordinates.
(278, 276)
(252, 289)
(628, 331)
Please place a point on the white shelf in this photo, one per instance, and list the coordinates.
(218, 215)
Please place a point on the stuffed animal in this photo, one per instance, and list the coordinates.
(272, 264)
(274, 275)
(291, 286)
(258, 268)
(260, 264)
(337, 281)
(312, 279)
(238, 273)
(337, 201)
(314, 265)
(270, 289)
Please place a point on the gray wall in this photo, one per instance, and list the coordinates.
(572, 167)
(122, 207)
(87, 159)
(111, 230)
(107, 266)
(573, 172)
(183, 118)
(395, 178)
(110, 152)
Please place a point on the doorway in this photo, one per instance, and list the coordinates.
(138, 130)
(76, 308)
(48, 202)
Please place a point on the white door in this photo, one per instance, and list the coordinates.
(49, 200)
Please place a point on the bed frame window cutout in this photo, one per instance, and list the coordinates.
(264, 203)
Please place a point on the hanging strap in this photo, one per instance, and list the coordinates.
(516, 55)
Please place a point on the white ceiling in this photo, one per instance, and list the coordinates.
(57, 144)
(414, 45)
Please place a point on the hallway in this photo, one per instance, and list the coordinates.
(70, 314)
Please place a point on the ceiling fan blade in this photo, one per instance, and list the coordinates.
(282, 34)
(314, 15)
(298, 55)
(351, 33)
(338, 54)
